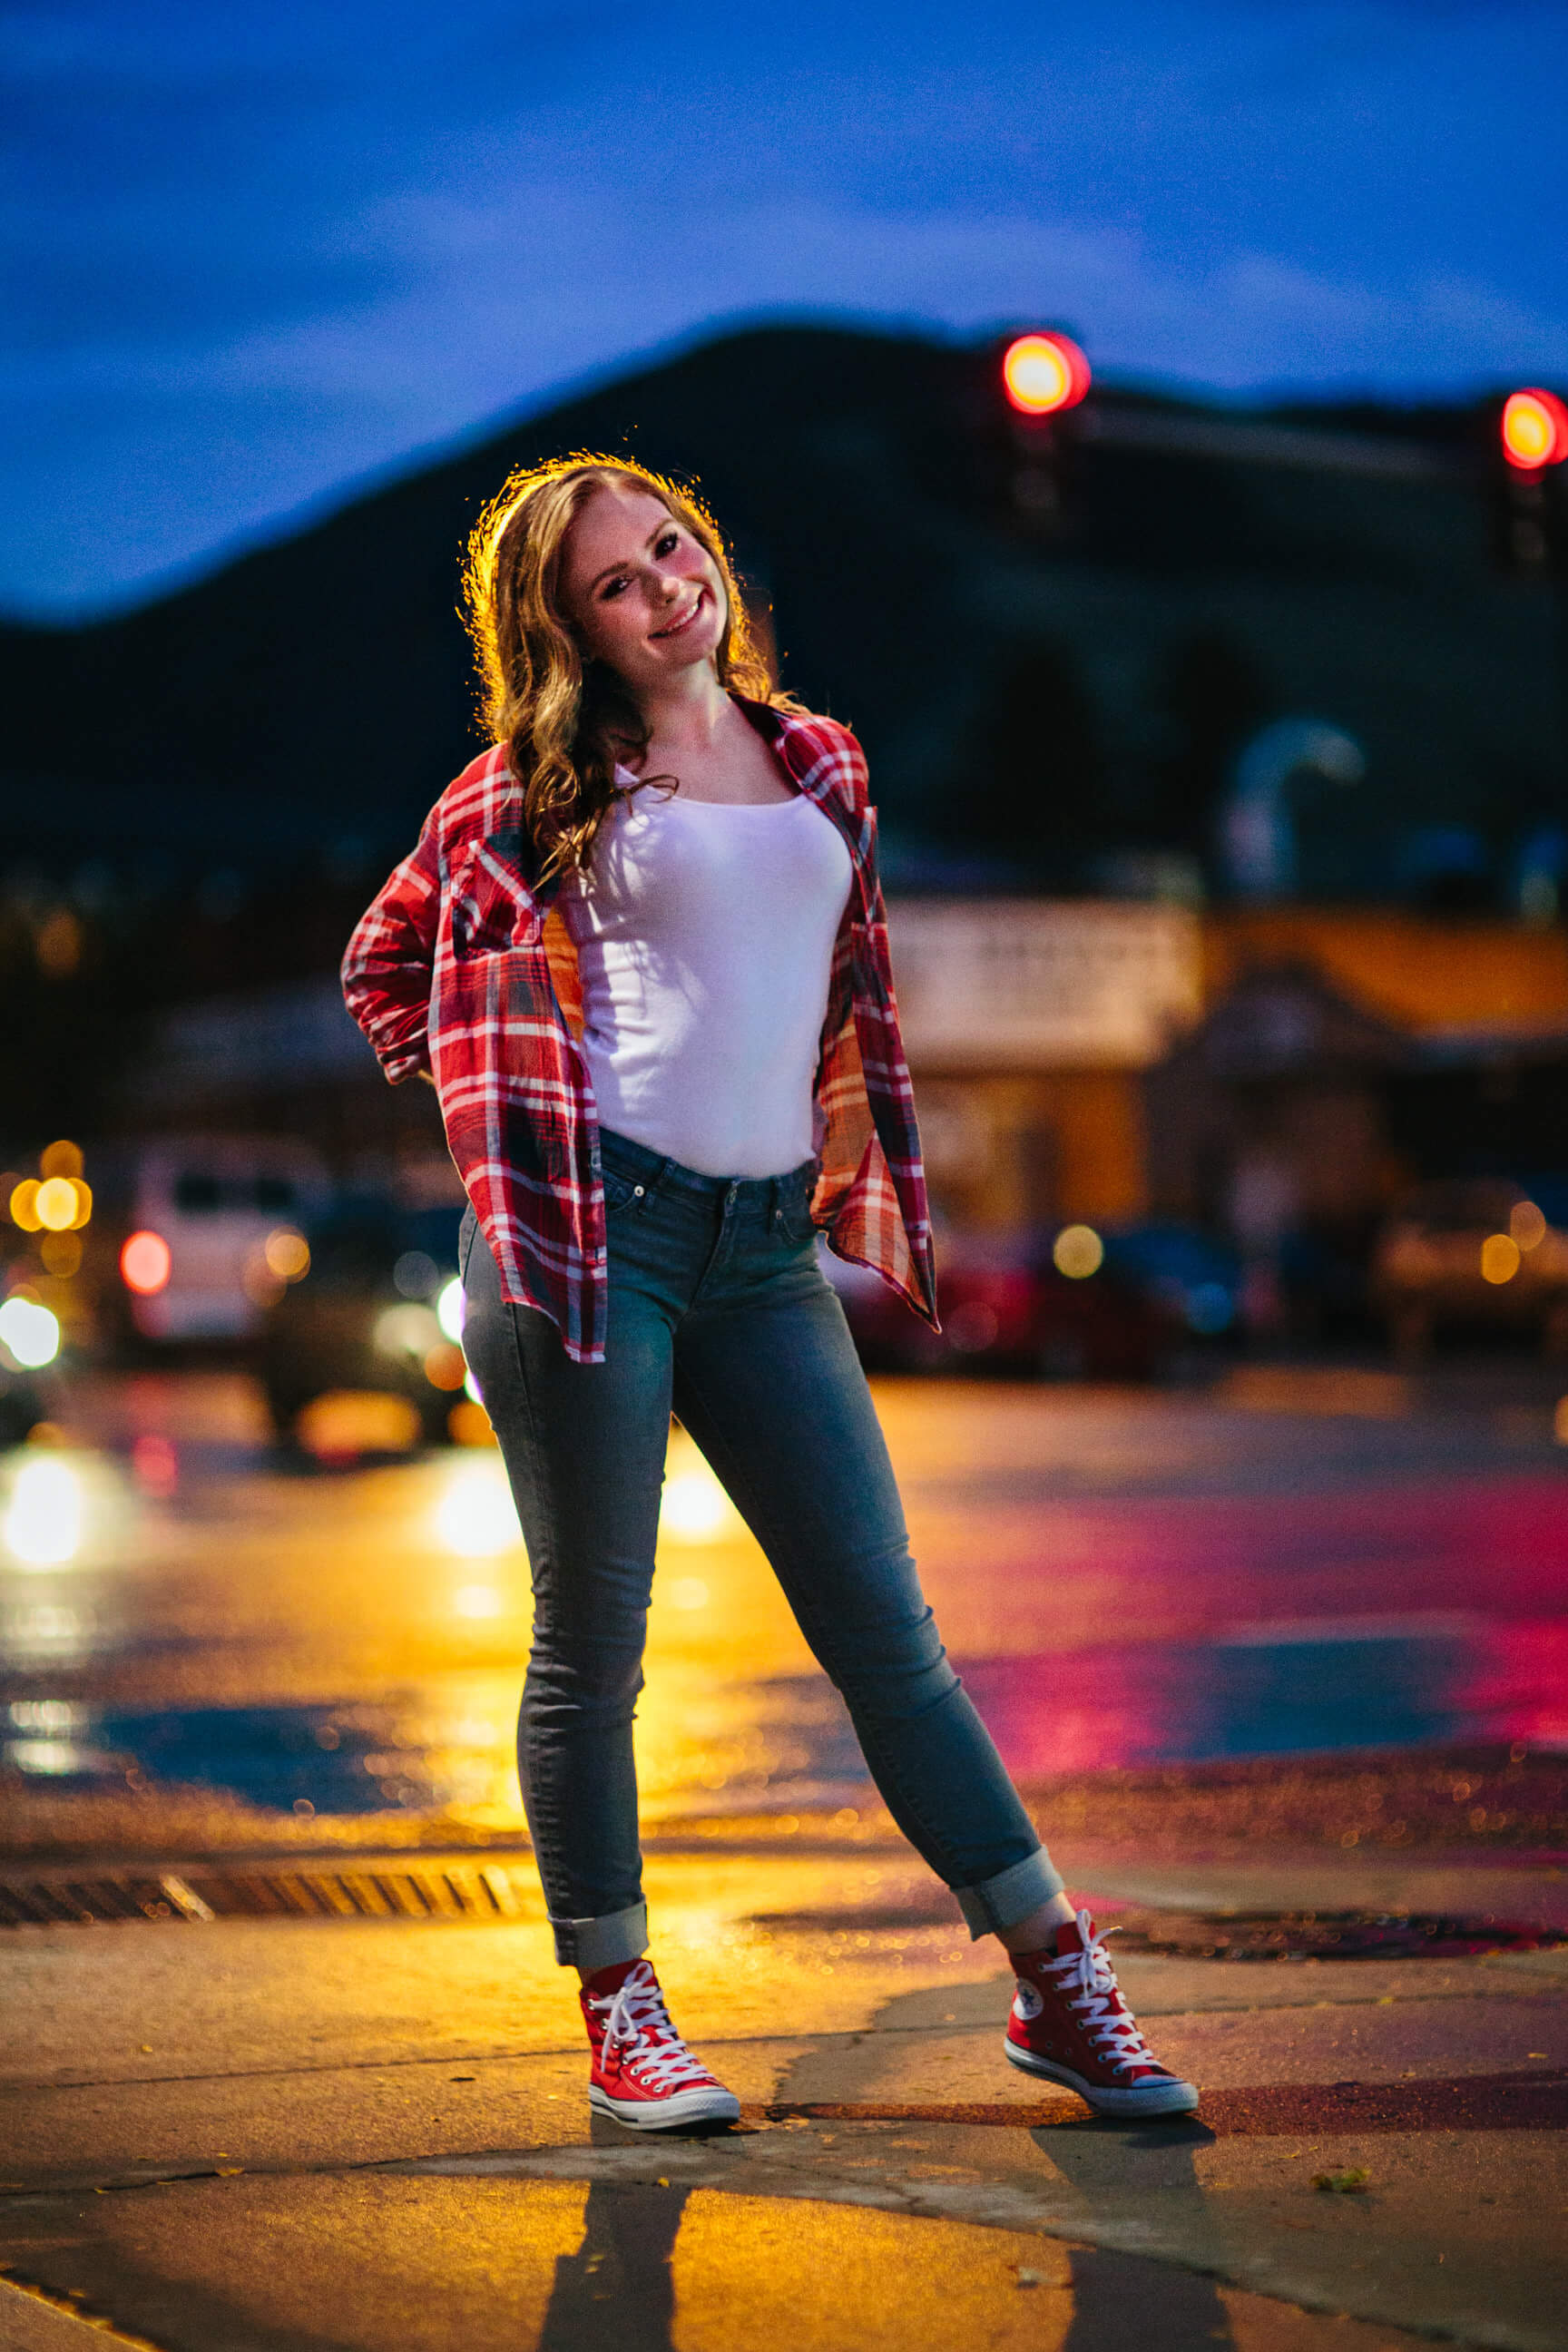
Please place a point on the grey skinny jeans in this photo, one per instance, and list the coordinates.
(718, 1308)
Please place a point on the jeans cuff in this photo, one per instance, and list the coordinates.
(592, 1944)
(1001, 1902)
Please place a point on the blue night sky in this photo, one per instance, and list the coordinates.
(253, 255)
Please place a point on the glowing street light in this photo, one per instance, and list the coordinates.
(1534, 429)
(1042, 373)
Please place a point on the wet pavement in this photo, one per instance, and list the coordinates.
(1293, 1654)
(198, 1648)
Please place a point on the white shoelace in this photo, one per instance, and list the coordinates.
(1115, 2030)
(637, 2023)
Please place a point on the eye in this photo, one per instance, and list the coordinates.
(668, 542)
(611, 588)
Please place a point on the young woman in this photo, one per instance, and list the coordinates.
(640, 951)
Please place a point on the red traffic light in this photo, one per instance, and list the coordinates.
(1042, 374)
(1535, 428)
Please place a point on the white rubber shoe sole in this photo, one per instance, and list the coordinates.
(1170, 2098)
(707, 2103)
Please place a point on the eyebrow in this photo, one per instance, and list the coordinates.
(611, 569)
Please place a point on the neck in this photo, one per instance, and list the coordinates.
(686, 714)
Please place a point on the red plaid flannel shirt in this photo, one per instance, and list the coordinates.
(461, 970)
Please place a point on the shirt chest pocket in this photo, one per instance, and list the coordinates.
(492, 907)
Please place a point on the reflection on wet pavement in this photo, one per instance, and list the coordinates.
(178, 1615)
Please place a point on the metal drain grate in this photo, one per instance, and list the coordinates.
(1328, 1935)
(1244, 1936)
(457, 1890)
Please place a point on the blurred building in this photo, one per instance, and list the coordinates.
(1250, 1070)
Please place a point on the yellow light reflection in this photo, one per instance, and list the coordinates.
(1499, 1258)
(848, 2274)
(476, 1518)
(46, 1512)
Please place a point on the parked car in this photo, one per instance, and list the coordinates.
(365, 1339)
(1472, 1252)
(1008, 1306)
(191, 1226)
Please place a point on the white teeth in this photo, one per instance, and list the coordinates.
(672, 627)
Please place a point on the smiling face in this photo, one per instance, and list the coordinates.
(643, 595)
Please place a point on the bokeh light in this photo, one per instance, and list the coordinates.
(30, 1331)
(415, 1274)
(476, 1518)
(696, 1510)
(1042, 373)
(23, 1205)
(1499, 1258)
(55, 1204)
(154, 1464)
(1534, 430)
(468, 1424)
(407, 1330)
(145, 1263)
(449, 1307)
(45, 1512)
(1527, 1226)
(344, 1422)
(1078, 1252)
(479, 1600)
(287, 1254)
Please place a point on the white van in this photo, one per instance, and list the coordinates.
(214, 1201)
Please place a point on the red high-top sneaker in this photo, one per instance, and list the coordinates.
(1070, 2023)
(643, 2075)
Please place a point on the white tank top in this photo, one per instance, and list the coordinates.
(704, 938)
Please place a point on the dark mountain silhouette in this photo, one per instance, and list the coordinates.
(297, 711)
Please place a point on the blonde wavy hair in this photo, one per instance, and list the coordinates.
(566, 720)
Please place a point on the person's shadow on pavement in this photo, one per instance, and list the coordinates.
(1125, 2303)
(616, 2288)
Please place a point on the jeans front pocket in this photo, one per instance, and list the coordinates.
(793, 1222)
(621, 1192)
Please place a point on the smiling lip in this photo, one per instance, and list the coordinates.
(673, 628)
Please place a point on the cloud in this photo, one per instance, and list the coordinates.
(253, 256)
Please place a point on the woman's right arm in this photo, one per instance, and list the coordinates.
(386, 970)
